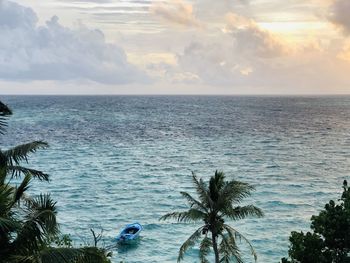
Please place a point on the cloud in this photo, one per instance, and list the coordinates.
(244, 55)
(177, 12)
(234, 55)
(250, 38)
(344, 53)
(14, 16)
(339, 14)
(55, 52)
(85, 1)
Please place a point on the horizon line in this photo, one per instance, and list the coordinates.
(174, 94)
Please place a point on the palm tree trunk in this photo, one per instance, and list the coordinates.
(215, 247)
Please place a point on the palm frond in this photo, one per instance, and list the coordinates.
(193, 202)
(3, 171)
(50, 255)
(234, 233)
(60, 255)
(228, 248)
(192, 215)
(219, 179)
(204, 249)
(202, 191)
(42, 211)
(93, 255)
(16, 172)
(22, 258)
(29, 238)
(7, 225)
(241, 212)
(6, 193)
(22, 188)
(20, 153)
(232, 192)
(38, 225)
(235, 191)
(190, 242)
(216, 183)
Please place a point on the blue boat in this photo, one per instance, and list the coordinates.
(129, 233)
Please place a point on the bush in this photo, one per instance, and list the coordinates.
(329, 241)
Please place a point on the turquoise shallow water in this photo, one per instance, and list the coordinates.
(115, 160)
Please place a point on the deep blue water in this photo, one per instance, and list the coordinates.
(120, 159)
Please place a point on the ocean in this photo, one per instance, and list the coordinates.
(114, 160)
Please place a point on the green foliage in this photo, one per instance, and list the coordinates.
(63, 241)
(204, 249)
(330, 239)
(29, 232)
(26, 223)
(61, 246)
(216, 201)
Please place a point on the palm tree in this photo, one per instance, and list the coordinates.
(215, 203)
(27, 224)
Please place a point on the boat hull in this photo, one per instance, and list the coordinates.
(131, 232)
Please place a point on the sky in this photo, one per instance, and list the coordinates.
(175, 47)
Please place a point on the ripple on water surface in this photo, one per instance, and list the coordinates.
(115, 160)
